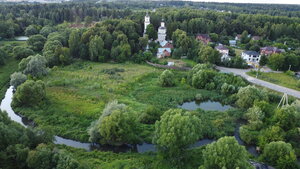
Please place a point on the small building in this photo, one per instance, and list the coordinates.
(256, 38)
(269, 50)
(224, 51)
(232, 43)
(166, 44)
(163, 52)
(203, 38)
(238, 37)
(251, 57)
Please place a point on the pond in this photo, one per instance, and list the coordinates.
(21, 38)
(208, 105)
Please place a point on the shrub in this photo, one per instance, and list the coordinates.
(150, 116)
(298, 83)
(20, 52)
(280, 155)
(30, 93)
(167, 79)
(290, 73)
(17, 79)
(203, 78)
(247, 95)
(225, 153)
(199, 97)
(36, 66)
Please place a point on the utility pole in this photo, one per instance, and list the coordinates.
(284, 101)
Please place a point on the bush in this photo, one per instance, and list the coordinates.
(247, 95)
(203, 78)
(167, 79)
(199, 97)
(150, 116)
(36, 66)
(290, 73)
(30, 93)
(20, 52)
(17, 79)
(280, 155)
(298, 83)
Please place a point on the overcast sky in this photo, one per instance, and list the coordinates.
(255, 1)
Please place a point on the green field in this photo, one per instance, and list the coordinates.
(77, 94)
(281, 79)
(5, 71)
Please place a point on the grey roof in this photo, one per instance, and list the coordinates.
(249, 52)
(221, 47)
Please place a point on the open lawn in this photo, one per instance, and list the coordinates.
(281, 79)
(6, 70)
(77, 94)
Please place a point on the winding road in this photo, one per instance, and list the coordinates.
(242, 72)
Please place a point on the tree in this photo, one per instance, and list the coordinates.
(176, 130)
(150, 31)
(36, 42)
(263, 60)
(207, 54)
(74, 43)
(46, 30)
(276, 61)
(244, 37)
(88, 20)
(96, 47)
(30, 93)
(17, 79)
(120, 127)
(31, 30)
(167, 79)
(181, 40)
(202, 78)
(247, 95)
(51, 52)
(3, 56)
(41, 158)
(20, 52)
(286, 117)
(280, 155)
(36, 66)
(272, 133)
(225, 153)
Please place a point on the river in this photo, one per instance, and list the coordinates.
(145, 147)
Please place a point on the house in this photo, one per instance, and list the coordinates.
(269, 50)
(163, 52)
(251, 57)
(203, 38)
(166, 44)
(238, 37)
(224, 51)
(256, 38)
(232, 43)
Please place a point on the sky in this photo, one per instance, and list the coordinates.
(255, 1)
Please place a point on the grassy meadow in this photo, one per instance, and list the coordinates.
(281, 79)
(77, 94)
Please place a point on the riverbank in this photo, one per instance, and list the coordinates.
(6, 70)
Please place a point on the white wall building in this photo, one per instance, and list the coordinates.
(147, 22)
(251, 57)
(162, 32)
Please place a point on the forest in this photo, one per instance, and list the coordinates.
(83, 75)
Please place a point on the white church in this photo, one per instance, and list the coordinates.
(165, 46)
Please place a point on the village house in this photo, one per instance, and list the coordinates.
(269, 50)
(256, 38)
(232, 43)
(204, 38)
(163, 52)
(238, 37)
(224, 51)
(251, 57)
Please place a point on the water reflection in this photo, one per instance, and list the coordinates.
(208, 105)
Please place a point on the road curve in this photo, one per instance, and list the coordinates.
(242, 72)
